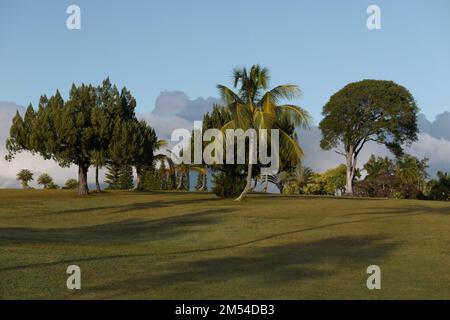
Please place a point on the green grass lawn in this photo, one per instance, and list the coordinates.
(195, 246)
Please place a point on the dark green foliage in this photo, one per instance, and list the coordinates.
(440, 188)
(125, 181)
(228, 179)
(164, 174)
(151, 179)
(228, 183)
(404, 177)
(95, 126)
(112, 176)
(119, 177)
(368, 110)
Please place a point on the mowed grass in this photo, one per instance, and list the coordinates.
(196, 246)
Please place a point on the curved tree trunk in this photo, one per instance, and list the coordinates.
(97, 183)
(248, 185)
(204, 180)
(82, 180)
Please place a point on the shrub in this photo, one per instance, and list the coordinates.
(71, 184)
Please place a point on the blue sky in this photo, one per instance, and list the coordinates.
(151, 46)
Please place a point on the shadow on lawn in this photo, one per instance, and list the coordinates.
(154, 204)
(269, 266)
(127, 231)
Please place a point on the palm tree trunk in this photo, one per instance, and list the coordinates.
(180, 180)
(204, 179)
(97, 184)
(248, 185)
(266, 183)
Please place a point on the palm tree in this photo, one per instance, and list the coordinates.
(301, 176)
(45, 180)
(183, 169)
(253, 107)
(25, 176)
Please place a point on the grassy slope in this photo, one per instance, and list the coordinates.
(176, 245)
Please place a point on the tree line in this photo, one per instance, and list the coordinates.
(97, 127)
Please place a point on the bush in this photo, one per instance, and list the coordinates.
(228, 185)
(46, 181)
(71, 184)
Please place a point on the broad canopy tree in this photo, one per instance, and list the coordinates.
(88, 129)
(369, 110)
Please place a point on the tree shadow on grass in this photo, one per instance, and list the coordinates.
(268, 266)
(126, 231)
(119, 208)
(407, 210)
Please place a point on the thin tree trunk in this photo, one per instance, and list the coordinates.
(248, 185)
(204, 179)
(82, 181)
(266, 183)
(180, 180)
(97, 183)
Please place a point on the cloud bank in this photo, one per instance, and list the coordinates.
(174, 109)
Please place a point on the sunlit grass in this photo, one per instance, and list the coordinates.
(195, 246)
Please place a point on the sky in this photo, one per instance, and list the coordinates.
(191, 46)
(172, 54)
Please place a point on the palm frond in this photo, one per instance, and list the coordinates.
(295, 115)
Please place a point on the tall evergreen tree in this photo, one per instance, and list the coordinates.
(112, 176)
(126, 178)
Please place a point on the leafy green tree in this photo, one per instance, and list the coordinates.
(71, 184)
(440, 188)
(256, 107)
(368, 110)
(59, 131)
(381, 179)
(46, 181)
(25, 176)
(412, 175)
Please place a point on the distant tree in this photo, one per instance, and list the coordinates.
(412, 174)
(46, 181)
(125, 181)
(112, 176)
(440, 188)
(25, 176)
(368, 110)
(381, 179)
(71, 184)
